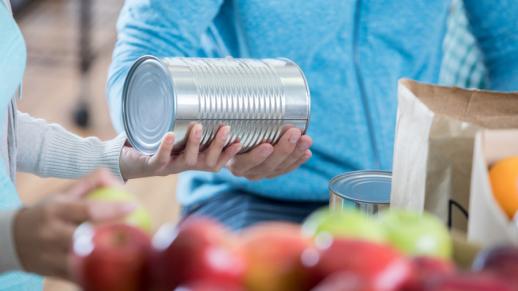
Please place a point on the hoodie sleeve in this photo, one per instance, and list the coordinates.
(162, 28)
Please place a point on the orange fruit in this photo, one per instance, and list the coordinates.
(504, 182)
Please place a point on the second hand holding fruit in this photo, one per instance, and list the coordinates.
(43, 233)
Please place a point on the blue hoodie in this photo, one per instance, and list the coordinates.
(352, 52)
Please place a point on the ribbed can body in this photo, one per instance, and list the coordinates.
(258, 99)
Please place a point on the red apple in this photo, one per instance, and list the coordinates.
(110, 257)
(503, 261)
(381, 267)
(198, 249)
(469, 281)
(209, 286)
(425, 269)
(273, 252)
(342, 281)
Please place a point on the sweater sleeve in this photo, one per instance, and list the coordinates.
(156, 27)
(49, 150)
(8, 257)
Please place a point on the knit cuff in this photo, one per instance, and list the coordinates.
(8, 256)
(112, 154)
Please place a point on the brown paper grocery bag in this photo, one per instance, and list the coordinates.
(433, 149)
(488, 224)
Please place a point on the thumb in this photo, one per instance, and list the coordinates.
(99, 178)
(108, 211)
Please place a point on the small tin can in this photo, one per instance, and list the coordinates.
(258, 99)
(368, 191)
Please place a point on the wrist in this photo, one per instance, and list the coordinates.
(131, 164)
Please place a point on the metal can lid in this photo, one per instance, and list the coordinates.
(363, 186)
(148, 104)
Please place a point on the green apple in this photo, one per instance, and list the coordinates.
(346, 223)
(139, 217)
(416, 234)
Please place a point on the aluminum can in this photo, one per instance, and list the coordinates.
(366, 190)
(258, 99)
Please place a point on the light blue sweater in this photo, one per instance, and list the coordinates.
(352, 52)
(12, 66)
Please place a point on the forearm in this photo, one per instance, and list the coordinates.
(49, 150)
(159, 28)
(8, 257)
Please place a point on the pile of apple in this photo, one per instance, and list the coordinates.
(332, 251)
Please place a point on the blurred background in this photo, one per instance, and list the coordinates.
(69, 50)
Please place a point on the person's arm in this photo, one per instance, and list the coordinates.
(161, 28)
(38, 238)
(165, 29)
(495, 26)
(49, 150)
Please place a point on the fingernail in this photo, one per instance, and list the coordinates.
(294, 138)
(303, 146)
(169, 138)
(197, 132)
(226, 132)
(266, 152)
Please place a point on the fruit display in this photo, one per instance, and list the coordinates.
(272, 251)
(350, 223)
(110, 257)
(198, 250)
(396, 250)
(503, 176)
(502, 260)
(416, 233)
(138, 217)
(377, 266)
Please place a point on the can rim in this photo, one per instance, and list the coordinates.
(342, 176)
(308, 92)
(125, 97)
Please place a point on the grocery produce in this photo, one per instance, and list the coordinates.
(398, 250)
(110, 257)
(343, 281)
(139, 217)
(348, 223)
(501, 261)
(503, 176)
(379, 266)
(467, 282)
(416, 234)
(273, 252)
(425, 269)
(199, 249)
(205, 285)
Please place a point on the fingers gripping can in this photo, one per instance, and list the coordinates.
(258, 99)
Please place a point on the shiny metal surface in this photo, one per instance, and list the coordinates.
(259, 99)
(368, 191)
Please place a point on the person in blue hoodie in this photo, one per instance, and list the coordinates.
(352, 52)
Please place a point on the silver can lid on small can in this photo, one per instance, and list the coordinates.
(148, 104)
(369, 187)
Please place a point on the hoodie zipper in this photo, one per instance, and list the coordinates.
(361, 85)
